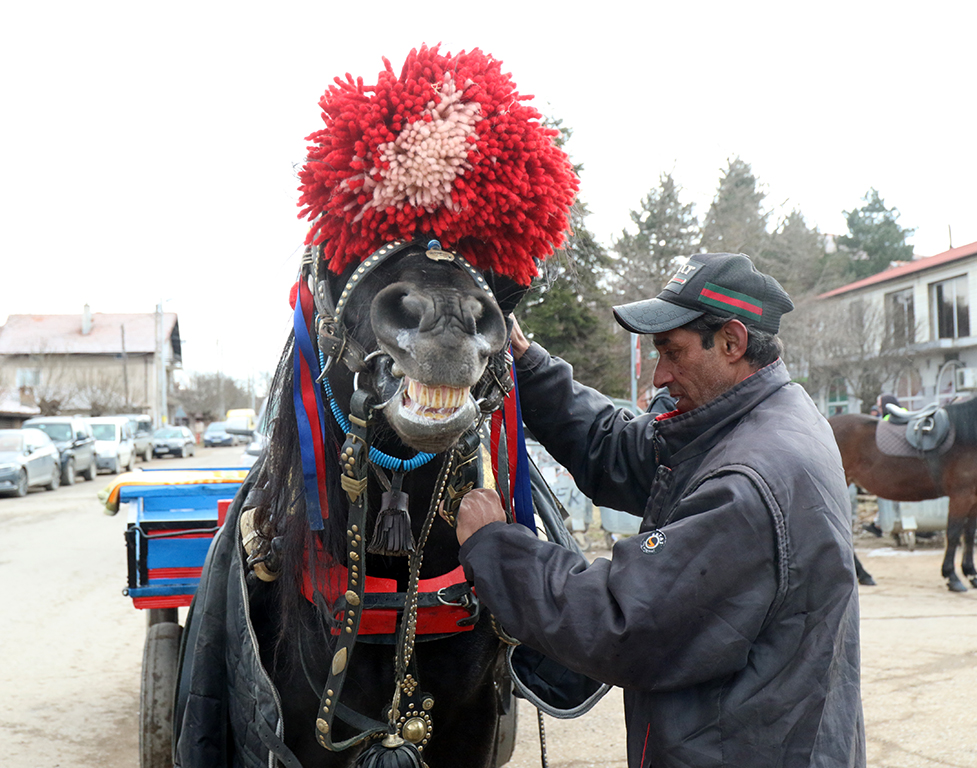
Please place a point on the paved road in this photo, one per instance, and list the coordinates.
(71, 650)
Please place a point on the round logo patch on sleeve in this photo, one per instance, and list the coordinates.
(652, 542)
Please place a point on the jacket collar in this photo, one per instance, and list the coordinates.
(689, 434)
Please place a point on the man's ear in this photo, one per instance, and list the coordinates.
(733, 338)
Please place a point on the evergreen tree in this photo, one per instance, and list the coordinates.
(795, 256)
(667, 231)
(874, 237)
(736, 221)
(569, 312)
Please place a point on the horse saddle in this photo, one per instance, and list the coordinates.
(911, 433)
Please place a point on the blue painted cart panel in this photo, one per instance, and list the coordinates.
(170, 528)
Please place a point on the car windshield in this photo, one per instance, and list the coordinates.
(104, 431)
(167, 432)
(10, 442)
(54, 431)
(217, 426)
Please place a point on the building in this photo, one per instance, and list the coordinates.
(89, 363)
(13, 413)
(922, 308)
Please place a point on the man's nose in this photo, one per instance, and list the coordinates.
(662, 375)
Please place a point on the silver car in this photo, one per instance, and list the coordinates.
(28, 458)
(174, 441)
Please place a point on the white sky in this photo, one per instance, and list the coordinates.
(147, 149)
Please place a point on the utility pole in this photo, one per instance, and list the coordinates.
(221, 410)
(635, 369)
(125, 365)
(161, 413)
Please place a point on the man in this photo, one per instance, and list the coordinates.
(731, 620)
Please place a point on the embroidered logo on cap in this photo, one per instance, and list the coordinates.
(732, 301)
(684, 274)
(653, 542)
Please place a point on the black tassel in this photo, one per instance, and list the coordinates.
(392, 534)
(392, 752)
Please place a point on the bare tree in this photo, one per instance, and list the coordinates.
(850, 341)
(209, 395)
(53, 389)
(103, 391)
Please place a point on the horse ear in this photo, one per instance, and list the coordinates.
(508, 293)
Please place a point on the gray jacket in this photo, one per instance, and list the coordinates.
(731, 622)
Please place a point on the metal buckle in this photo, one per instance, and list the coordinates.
(463, 602)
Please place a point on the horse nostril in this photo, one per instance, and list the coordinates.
(397, 308)
(487, 321)
(414, 307)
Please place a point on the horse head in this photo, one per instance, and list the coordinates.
(428, 325)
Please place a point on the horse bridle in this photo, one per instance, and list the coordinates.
(408, 714)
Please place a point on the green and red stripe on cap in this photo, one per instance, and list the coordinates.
(732, 301)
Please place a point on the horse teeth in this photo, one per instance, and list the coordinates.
(435, 402)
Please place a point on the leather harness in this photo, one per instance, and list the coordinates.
(368, 606)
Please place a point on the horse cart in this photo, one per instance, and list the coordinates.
(172, 518)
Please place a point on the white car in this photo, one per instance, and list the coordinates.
(115, 448)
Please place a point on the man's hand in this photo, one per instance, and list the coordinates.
(480, 507)
(519, 341)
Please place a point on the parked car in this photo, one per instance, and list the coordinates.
(217, 434)
(259, 436)
(28, 457)
(241, 419)
(115, 449)
(142, 434)
(174, 441)
(73, 438)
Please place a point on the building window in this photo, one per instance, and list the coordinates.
(837, 397)
(909, 389)
(28, 377)
(950, 309)
(900, 319)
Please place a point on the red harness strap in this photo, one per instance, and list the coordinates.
(431, 620)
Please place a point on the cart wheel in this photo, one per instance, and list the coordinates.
(157, 694)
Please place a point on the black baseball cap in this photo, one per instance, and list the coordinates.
(723, 284)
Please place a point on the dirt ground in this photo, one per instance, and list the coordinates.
(919, 672)
(71, 650)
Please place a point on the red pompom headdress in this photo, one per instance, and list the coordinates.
(448, 150)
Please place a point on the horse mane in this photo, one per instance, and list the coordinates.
(284, 514)
(963, 417)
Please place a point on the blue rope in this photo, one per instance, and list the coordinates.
(377, 456)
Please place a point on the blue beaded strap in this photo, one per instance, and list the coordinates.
(377, 456)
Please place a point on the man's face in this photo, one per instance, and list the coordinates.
(693, 375)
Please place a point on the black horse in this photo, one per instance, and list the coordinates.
(423, 340)
(334, 614)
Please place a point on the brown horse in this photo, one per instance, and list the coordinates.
(954, 474)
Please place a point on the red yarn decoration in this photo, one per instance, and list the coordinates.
(502, 203)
